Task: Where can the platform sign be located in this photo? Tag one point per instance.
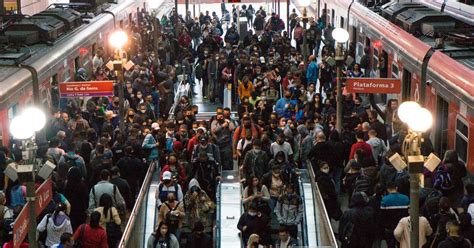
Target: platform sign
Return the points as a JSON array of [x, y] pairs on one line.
[[44, 194], [373, 85], [88, 88]]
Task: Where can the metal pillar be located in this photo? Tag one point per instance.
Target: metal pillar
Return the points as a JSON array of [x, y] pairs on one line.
[[31, 198], [186, 7], [176, 18], [339, 61], [288, 18], [414, 209]]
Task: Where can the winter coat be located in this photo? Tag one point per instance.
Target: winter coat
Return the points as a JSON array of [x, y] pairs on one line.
[[55, 227], [255, 224], [362, 219], [328, 192], [289, 209], [150, 143], [173, 242], [91, 237], [455, 242], [393, 206], [402, 231]]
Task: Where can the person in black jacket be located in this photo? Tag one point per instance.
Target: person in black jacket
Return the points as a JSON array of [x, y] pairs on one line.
[[328, 191], [122, 186], [254, 222], [357, 223], [467, 229], [198, 238], [322, 151], [454, 240], [131, 169]]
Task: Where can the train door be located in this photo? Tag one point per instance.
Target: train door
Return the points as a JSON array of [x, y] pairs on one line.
[[441, 135], [406, 85], [77, 64], [383, 64]]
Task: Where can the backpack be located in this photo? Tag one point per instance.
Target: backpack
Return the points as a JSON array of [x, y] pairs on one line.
[[431, 203], [161, 192], [171, 219], [443, 179], [17, 198], [70, 162], [346, 235], [199, 71], [363, 184]]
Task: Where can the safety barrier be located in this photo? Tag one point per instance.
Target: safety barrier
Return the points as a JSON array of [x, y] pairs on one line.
[[134, 232]]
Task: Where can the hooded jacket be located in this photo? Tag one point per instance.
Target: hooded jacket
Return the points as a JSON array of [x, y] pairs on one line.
[[289, 209], [55, 227]]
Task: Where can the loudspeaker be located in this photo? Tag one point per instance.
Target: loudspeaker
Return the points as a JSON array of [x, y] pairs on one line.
[[46, 170]]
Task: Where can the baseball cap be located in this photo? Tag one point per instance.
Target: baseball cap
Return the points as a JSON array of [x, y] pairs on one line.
[[167, 175], [202, 128], [155, 126]]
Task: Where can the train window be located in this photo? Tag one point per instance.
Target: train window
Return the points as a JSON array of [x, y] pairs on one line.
[[342, 22], [121, 24], [333, 14], [94, 46], [76, 64], [394, 70], [461, 139], [441, 129], [406, 85]]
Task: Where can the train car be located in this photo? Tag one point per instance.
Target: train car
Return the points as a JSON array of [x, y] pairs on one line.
[[440, 79], [59, 61]]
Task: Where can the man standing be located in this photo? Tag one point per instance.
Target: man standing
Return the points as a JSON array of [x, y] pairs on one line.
[[289, 210], [222, 130]]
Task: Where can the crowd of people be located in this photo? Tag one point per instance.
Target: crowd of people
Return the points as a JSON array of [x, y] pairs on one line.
[[285, 121]]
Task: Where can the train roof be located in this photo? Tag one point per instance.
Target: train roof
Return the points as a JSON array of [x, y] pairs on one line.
[[43, 55], [461, 80]]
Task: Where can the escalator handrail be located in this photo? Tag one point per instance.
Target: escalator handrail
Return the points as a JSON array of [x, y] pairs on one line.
[[143, 191], [317, 198], [217, 231], [304, 225]]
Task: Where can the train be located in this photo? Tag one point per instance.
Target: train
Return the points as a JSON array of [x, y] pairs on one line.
[[57, 56], [437, 74]]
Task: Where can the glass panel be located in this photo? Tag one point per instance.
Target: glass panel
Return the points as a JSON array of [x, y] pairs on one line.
[[461, 127], [461, 147]]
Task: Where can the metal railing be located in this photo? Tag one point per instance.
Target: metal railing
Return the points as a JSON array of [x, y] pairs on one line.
[[137, 219]]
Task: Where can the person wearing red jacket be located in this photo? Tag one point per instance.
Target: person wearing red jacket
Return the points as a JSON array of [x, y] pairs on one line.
[[91, 235], [178, 170], [360, 144]]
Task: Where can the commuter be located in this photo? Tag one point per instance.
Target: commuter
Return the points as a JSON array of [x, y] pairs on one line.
[[109, 219], [357, 224], [162, 237], [198, 205], [177, 171], [378, 147], [328, 191], [105, 187], [222, 129], [285, 240], [212, 150], [439, 220], [91, 235], [55, 225], [66, 241], [466, 227], [393, 207], [281, 145], [76, 191], [166, 186], [289, 210], [454, 239], [360, 144], [198, 238], [130, 169], [274, 182], [253, 222], [172, 212], [255, 161], [254, 241], [122, 185], [402, 231], [68, 160], [206, 172], [256, 193]]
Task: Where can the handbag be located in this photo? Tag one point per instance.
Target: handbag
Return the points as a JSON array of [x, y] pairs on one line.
[[79, 242]]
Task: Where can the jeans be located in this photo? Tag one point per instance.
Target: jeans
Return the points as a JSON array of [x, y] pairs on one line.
[[272, 203]]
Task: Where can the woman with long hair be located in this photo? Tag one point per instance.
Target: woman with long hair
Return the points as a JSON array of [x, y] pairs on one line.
[[162, 237], [257, 192], [55, 225], [91, 235], [109, 214]]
